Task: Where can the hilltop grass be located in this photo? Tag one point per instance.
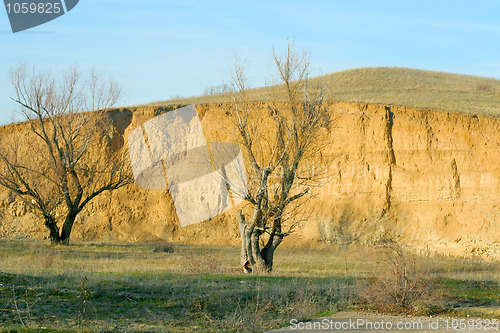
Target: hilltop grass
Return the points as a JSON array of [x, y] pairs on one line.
[[393, 86], [116, 287]]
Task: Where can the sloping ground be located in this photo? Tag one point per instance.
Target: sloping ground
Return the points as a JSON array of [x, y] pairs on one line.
[[395, 86], [429, 177]]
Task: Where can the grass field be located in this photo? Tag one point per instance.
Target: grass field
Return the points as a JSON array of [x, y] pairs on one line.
[[394, 86], [121, 287]]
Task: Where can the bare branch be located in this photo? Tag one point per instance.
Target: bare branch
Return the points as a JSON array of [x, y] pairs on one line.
[[71, 160], [276, 140]]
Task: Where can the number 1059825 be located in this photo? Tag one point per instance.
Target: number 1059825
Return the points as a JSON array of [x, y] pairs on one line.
[[33, 7]]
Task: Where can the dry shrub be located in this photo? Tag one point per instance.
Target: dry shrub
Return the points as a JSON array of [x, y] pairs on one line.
[[45, 259], [163, 247], [401, 285], [262, 304], [242, 319], [304, 305], [483, 86], [204, 264], [294, 300]]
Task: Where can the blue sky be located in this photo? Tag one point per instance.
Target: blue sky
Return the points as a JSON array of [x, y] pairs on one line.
[[157, 49]]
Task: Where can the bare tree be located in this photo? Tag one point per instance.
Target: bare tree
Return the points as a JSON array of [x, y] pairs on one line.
[[278, 182], [214, 90], [67, 156]]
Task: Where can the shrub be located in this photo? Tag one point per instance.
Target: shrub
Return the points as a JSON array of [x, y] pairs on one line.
[[483, 86], [399, 286], [208, 264], [163, 247]]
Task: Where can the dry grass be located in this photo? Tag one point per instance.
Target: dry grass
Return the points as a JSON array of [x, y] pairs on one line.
[[393, 86], [117, 287]]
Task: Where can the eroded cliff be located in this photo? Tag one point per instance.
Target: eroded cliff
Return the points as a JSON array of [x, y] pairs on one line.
[[428, 177]]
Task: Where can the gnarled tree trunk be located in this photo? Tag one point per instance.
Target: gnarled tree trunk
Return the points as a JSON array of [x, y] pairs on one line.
[[253, 259]]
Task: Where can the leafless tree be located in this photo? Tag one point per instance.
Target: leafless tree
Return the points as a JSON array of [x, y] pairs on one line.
[[278, 182], [65, 155], [214, 90]]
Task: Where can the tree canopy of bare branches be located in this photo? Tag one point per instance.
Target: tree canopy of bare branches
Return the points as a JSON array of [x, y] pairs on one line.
[[277, 186], [66, 157]]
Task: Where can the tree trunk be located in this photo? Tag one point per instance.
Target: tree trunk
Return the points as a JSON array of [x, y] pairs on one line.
[[53, 229], [245, 258], [260, 265], [268, 252], [252, 258], [67, 227]]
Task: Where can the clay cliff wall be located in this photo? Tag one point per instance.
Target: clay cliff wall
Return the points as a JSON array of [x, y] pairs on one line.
[[430, 178]]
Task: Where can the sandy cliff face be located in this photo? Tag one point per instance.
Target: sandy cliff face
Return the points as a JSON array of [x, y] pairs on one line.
[[431, 178]]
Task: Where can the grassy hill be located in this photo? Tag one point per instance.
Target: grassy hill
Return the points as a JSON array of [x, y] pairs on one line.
[[396, 86]]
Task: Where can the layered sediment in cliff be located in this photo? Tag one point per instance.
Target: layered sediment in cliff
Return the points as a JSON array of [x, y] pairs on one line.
[[430, 178]]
